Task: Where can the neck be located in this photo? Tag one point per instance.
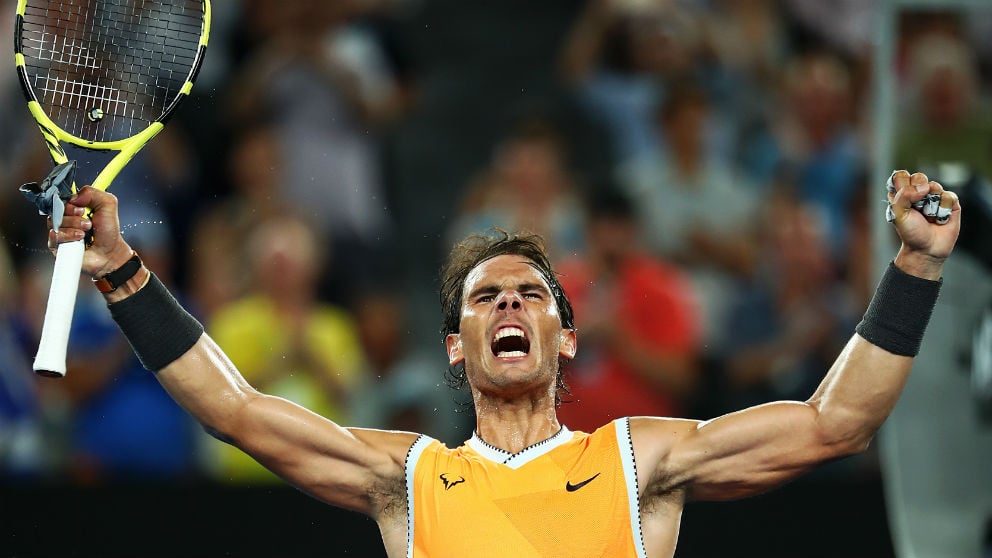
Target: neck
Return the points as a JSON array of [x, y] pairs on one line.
[[512, 425]]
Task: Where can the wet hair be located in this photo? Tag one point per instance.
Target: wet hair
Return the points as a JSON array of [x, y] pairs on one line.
[[478, 248]]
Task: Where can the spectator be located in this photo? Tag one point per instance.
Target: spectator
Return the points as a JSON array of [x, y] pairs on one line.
[[332, 91], [620, 57], [676, 193], [21, 412], [815, 138], [529, 186], [403, 387], [749, 44], [217, 264], [789, 321], [640, 341], [118, 425], [282, 338], [945, 119]]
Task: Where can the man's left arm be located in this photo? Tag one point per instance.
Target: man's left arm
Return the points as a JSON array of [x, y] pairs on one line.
[[756, 449]]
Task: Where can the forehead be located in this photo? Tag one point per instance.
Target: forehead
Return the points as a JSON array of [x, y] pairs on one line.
[[502, 271]]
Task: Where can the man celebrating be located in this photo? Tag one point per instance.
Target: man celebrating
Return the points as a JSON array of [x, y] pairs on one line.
[[524, 485]]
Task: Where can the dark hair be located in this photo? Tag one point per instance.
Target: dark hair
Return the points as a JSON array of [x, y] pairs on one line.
[[478, 248]]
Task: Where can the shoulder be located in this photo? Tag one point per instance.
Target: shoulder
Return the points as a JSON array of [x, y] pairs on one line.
[[653, 440], [660, 430], [397, 445]]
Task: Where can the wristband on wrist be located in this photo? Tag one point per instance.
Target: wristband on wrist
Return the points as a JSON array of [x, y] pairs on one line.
[[158, 328], [899, 312], [109, 282]]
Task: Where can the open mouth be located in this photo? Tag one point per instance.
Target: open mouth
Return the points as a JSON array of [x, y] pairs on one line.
[[510, 342]]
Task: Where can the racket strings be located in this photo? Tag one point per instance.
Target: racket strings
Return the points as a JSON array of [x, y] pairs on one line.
[[103, 70]]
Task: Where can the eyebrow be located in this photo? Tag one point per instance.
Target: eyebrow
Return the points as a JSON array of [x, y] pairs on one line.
[[492, 289]]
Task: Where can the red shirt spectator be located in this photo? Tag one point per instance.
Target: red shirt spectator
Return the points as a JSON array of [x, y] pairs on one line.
[[640, 358]]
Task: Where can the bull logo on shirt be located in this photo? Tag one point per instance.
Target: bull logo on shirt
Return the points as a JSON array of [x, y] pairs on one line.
[[450, 480]]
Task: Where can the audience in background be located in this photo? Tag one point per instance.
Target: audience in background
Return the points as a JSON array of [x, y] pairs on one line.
[[118, 422], [698, 211], [637, 318], [528, 185], [282, 337], [620, 57], [22, 436], [326, 88], [816, 137], [403, 386], [944, 120], [792, 317], [218, 261], [735, 129], [747, 43]]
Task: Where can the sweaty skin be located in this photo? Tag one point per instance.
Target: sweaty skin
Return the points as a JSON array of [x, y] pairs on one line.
[[732, 456]]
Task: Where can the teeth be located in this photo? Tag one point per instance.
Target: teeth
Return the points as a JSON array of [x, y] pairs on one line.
[[505, 333], [509, 332]]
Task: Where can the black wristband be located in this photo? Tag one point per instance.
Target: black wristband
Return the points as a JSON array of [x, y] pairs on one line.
[[158, 328], [899, 312]]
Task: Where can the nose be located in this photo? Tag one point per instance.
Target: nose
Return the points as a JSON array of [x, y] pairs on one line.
[[509, 300]]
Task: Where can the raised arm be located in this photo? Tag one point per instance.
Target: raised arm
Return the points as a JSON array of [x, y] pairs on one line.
[[756, 449], [585, 40], [357, 469]]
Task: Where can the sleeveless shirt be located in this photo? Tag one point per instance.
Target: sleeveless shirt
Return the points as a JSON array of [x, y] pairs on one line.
[[573, 495]]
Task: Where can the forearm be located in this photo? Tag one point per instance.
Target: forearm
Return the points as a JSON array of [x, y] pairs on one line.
[[758, 448], [858, 393], [862, 386], [171, 343], [205, 383]]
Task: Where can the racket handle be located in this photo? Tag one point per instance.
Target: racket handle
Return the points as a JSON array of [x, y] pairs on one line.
[[50, 360]]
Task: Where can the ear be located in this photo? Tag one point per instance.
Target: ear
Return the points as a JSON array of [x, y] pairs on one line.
[[569, 344], [453, 343]]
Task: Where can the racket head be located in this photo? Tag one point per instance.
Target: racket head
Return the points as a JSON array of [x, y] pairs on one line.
[[100, 73]]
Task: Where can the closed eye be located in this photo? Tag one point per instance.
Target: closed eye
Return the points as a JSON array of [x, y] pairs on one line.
[[488, 294]]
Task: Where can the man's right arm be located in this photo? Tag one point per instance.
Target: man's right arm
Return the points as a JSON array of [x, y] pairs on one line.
[[338, 465], [335, 464]]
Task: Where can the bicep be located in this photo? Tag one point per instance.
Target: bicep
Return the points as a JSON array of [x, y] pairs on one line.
[[338, 465], [326, 460], [743, 453]]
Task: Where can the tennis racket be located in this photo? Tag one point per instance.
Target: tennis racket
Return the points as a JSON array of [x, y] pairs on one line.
[[102, 75]]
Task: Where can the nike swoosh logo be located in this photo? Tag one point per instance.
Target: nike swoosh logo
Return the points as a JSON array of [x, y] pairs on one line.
[[573, 487]]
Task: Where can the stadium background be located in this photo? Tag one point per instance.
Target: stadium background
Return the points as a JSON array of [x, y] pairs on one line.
[[442, 85]]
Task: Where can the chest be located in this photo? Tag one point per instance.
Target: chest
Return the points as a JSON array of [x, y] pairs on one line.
[[561, 504]]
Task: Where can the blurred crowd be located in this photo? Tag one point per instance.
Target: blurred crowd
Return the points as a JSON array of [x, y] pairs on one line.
[[699, 169]]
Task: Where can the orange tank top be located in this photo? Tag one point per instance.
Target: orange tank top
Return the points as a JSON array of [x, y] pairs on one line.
[[573, 495]]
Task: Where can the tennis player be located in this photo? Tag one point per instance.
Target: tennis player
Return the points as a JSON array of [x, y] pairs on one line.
[[524, 485]]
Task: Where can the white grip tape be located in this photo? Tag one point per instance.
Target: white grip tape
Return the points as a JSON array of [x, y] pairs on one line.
[[929, 206], [50, 360]]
